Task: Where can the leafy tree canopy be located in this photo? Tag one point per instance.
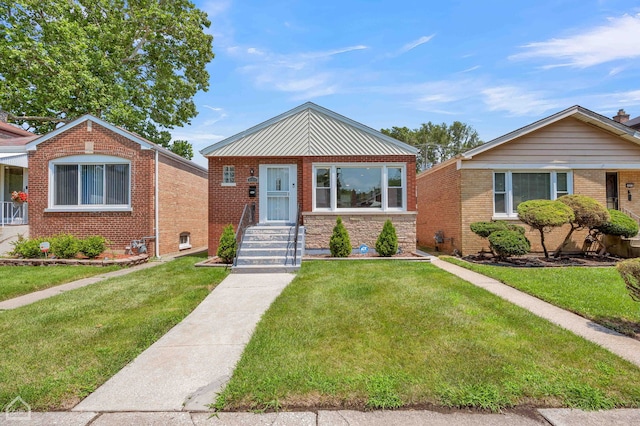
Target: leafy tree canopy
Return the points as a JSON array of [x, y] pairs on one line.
[[436, 142], [136, 64]]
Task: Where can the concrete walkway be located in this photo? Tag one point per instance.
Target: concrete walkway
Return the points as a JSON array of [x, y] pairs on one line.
[[9, 234], [189, 365]]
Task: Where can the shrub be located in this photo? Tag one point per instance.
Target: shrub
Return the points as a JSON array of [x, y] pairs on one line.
[[339, 243], [484, 229], [587, 214], [544, 215], [508, 243], [387, 242], [619, 224], [65, 246], [28, 248], [629, 270], [227, 246], [93, 246]]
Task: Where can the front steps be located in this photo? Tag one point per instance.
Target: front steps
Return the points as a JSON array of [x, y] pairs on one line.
[[269, 249]]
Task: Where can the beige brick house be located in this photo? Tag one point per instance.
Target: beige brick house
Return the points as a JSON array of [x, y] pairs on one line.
[[89, 177], [575, 151]]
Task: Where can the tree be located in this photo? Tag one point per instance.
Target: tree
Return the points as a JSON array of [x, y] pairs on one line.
[[436, 142], [387, 242], [134, 64], [544, 215], [339, 243], [618, 225], [227, 245], [182, 148], [587, 214]]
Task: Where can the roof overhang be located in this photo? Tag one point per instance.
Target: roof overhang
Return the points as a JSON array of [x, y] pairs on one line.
[[18, 160]]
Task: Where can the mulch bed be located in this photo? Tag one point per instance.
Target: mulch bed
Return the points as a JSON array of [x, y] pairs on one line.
[[538, 261]]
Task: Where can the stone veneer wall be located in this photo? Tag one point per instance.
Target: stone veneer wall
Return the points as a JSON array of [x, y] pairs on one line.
[[362, 228]]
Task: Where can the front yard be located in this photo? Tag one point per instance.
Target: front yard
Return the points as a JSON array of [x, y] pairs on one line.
[[55, 352], [400, 334], [596, 293]]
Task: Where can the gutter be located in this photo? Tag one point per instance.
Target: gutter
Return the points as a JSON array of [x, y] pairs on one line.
[[156, 205]]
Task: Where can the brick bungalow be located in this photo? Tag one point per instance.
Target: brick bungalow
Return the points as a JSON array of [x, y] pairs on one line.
[[327, 164], [90, 177], [575, 151]]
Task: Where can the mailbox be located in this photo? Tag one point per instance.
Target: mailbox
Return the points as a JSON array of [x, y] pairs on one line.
[[252, 191]]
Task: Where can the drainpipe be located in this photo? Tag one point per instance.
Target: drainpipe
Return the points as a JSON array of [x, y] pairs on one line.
[[157, 204]]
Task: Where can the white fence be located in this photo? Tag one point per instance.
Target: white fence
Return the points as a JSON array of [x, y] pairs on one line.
[[13, 213]]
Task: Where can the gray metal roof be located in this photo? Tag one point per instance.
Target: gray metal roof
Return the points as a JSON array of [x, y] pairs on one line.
[[308, 130]]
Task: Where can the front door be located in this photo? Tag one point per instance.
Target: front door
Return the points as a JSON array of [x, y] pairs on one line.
[[612, 190], [278, 193]]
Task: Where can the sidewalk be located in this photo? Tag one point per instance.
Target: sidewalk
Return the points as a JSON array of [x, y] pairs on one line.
[[189, 365]]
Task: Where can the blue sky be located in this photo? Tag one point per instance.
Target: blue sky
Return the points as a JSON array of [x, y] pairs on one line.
[[496, 65]]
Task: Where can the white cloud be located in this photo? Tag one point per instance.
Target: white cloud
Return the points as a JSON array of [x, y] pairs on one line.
[[470, 69], [611, 42], [412, 45], [517, 101], [254, 51]]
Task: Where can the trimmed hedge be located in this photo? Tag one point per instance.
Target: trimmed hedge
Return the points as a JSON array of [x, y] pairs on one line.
[[484, 229], [339, 243], [619, 224], [227, 246], [507, 243], [387, 242], [629, 270]]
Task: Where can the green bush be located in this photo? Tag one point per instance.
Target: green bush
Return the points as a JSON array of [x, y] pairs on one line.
[[544, 215], [619, 224], [93, 246], [629, 270], [508, 243], [339, 243], [227, 246], [64, 246], [28, 248], [387, 242], [484, 229]]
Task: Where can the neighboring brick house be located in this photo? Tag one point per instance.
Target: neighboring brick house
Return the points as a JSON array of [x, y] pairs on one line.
[[575, 151], [327, 164], [89, 177]]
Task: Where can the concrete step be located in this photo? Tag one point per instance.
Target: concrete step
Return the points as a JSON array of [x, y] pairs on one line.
[[269, 230], [266, 251], [265, 260], [264, 269]]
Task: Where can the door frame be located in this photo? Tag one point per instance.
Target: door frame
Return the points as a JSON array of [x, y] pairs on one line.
[[293, 193], [613, 199]]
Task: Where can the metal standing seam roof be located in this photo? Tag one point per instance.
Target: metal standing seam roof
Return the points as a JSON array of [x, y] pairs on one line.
[[308, 130]]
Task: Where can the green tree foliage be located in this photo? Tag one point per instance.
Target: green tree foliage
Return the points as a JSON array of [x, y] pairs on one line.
[[227, 246], [507, 243], [387, 242], [182, 148], [339, 243], [134, 64], [619, 225], [484, 229], [544, 215], [436, 142], [587, 214], [629, 270]]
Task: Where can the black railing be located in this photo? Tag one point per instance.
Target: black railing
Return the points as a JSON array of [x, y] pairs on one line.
[[295, 237], [247, 219]]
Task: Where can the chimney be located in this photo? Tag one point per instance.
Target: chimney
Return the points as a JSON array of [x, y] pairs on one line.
[[3, 116], [622, 116]]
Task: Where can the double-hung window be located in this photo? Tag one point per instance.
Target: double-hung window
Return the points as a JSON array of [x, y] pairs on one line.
[[90, 182], [510, 188], [228, 175], [358, 187]]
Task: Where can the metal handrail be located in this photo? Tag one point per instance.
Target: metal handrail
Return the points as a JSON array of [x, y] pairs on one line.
[[13, 214], [295, 237], [247, 219]]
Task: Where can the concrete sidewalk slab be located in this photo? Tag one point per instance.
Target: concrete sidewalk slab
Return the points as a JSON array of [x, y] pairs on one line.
[[188, 366], [419, 418], [288, 418], [621, 345], [571, 417], [65, 418]]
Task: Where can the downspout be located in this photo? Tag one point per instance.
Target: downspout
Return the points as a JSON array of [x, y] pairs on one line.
[[157, 204]]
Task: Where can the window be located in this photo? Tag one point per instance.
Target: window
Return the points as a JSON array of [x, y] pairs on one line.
[[185, 241], [359, 186], [86, 182], [229, 175], [512, 188]]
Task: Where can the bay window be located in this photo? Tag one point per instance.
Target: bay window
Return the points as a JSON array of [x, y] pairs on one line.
[[90, 182], [359, 187], [512, 188]]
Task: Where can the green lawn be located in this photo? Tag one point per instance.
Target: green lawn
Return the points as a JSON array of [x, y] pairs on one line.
[[55, 352], [18, 280], [391, 334], [596, 293]]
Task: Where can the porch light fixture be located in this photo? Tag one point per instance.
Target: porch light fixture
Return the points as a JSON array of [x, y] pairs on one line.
[[251, 171]]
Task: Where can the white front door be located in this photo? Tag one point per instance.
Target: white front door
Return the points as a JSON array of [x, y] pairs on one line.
[[278, 193]]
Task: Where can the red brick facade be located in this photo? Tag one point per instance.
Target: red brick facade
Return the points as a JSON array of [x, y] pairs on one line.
[[227, 202], [119, 227]]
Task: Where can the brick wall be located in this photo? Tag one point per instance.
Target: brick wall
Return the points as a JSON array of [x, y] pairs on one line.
[[118, 227], [439, 208], [226, 202], [183, 204]]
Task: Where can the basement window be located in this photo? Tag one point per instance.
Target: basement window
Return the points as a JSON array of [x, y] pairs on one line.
[[185, 241]]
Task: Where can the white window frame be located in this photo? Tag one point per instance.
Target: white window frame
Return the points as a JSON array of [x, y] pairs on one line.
[[509, 189], [187, 245], [226, 176], [80, 160], [384, 187]]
